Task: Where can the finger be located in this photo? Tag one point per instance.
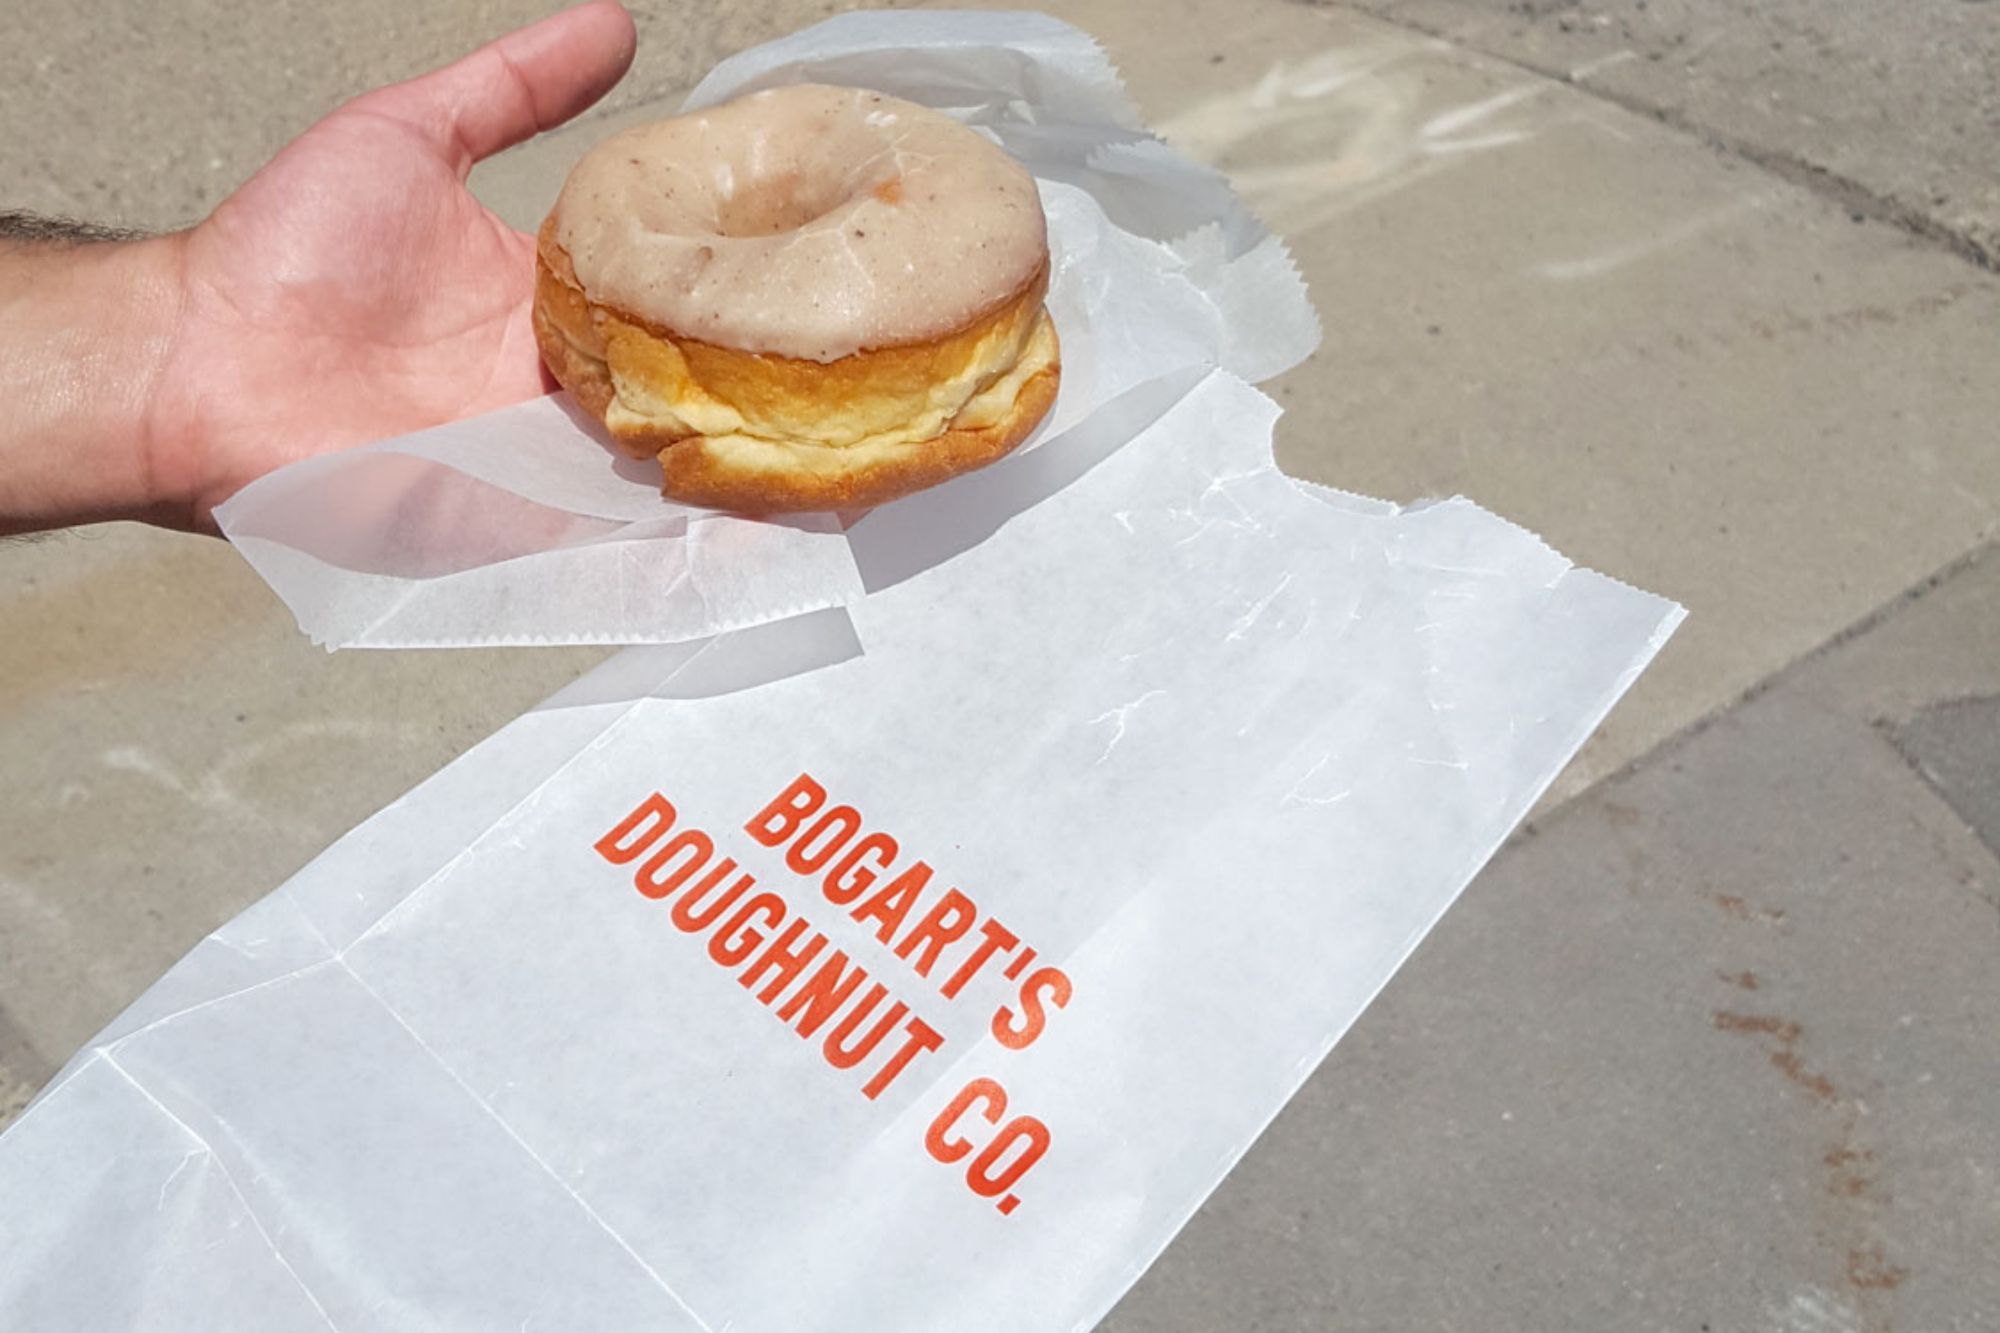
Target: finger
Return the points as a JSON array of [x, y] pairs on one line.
[[516, 87]]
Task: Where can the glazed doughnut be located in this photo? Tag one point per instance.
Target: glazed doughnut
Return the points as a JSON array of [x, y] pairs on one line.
[[807, 298]]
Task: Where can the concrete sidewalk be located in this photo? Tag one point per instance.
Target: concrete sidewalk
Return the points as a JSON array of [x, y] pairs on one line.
[[1706, 1046]]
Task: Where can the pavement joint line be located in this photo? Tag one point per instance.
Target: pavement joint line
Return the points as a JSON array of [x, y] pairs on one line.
[[1885, 729], [1857, 200], [1988, 545]]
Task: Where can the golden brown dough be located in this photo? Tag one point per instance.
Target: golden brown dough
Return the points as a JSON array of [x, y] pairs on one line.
[[758, 432]]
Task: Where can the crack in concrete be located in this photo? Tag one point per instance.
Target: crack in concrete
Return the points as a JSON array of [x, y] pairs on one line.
[[1858, 200], [1932, 742]]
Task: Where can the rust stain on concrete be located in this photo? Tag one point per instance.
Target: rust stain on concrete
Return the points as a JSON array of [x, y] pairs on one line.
[[1851, 1197], [1738, 909], [1869, 1270]]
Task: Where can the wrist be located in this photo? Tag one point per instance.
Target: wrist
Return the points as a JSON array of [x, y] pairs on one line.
[[160, 447], [87, 336], [167, 435]]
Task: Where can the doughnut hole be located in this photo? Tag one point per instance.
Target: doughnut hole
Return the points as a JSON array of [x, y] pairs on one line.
[[776, 205], [805, 186]]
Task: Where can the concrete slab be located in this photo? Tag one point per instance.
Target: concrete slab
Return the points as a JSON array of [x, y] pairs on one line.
[[1711, 1048], [1894, 108], [146, 115]]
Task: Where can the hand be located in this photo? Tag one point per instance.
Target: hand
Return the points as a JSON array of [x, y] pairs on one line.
[[352, 289]]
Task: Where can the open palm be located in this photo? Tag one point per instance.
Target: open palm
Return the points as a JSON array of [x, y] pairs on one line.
[[354, 289]]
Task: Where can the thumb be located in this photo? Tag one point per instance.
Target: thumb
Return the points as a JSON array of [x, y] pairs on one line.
[[515, 87]]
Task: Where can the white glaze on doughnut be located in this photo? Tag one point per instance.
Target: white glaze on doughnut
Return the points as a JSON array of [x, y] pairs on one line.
[[807, 221]]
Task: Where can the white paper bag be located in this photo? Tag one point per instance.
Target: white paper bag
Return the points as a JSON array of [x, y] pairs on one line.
[[526, 526], [1115, 819]]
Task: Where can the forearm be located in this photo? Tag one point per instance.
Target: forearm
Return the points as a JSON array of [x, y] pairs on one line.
[[86, 324]]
